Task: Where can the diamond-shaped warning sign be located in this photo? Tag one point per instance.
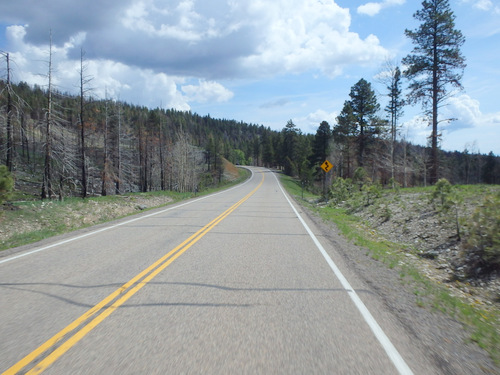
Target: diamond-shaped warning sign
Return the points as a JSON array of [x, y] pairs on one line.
[[326, 166]]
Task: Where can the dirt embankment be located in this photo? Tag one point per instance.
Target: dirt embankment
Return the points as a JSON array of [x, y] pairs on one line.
[[53, 215], [445, 339], [26, 217], [431, 239]]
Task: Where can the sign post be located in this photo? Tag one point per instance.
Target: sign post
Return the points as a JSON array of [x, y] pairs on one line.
[[326, 166]]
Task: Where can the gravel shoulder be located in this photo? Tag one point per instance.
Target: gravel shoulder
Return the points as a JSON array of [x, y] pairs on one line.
[[446, 340]]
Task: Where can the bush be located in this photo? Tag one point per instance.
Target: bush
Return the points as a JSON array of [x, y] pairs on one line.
[[450, 201], [385, 213], [372, 192], [361, 178], [483, 242], [442, 192], [6, 184], [341, 190]]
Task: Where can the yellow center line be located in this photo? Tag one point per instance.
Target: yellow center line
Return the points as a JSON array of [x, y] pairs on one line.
[[126, 291]]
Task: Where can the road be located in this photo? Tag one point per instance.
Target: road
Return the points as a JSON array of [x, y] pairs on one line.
[[236, 282]]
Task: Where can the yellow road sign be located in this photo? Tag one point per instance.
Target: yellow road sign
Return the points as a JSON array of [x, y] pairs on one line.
[[326, 166]]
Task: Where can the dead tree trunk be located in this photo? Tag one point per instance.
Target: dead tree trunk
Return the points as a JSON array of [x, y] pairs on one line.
[[47, 174], [10, 142], [82, 129], [105, 166]]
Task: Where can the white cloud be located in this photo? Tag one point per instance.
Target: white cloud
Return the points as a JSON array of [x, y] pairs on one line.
[[207, 91], [31, 62], [128, 83], [208, 40], [152, 50], [471, 125], [468, 114], [371, 9], [485, 5], [275, 103], [296, 36], [182, 22], [311, 122], [416, 130], [465, 110]]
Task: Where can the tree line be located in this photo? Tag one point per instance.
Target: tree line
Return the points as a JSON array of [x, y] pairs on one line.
[[68, 144], [105, 146], [134, 148]]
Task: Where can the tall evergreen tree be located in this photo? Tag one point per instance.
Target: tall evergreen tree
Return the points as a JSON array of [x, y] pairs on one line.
[[364, 108], [343, 135], [289, 152], [321, 145], [434, 64], [490, 173], [268, 157], [394, 109]]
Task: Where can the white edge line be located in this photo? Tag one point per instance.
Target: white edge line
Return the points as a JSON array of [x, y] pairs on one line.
[[8, 259], [389, 348]]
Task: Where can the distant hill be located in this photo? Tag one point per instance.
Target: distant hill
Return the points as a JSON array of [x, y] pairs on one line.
[[60, 145]]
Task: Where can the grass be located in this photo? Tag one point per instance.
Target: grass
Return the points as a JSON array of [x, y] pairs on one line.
[[483, 325], [50, 218], [294, 187]]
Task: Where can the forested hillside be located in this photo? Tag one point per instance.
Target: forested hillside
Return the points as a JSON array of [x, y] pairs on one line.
[[106, 147], [57, 145]]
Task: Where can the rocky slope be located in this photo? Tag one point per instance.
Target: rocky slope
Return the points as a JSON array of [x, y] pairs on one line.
[[433, 237]]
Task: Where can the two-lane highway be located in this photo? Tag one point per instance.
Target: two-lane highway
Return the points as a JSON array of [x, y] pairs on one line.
[[235, 282]]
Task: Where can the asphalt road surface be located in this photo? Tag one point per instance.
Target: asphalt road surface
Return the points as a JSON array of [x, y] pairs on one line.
[[239, 282]]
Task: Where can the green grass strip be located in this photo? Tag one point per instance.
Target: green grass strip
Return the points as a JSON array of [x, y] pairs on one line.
[[482, 325]]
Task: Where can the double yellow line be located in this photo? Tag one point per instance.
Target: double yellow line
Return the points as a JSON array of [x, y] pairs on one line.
[[46, 354]]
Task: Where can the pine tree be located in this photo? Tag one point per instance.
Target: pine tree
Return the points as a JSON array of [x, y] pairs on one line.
[[321, 145], [364, 108], [394, 110], [267, 149], [343, 135], [489, 172], [290, 147], [434, 64]]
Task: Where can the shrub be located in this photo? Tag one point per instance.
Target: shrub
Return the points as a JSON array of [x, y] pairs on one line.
[[394, 184], [450, 201], [6, 184], [385, 213], [442, 191], [360, 177], [483, 243], [341, 190], [372, 192]]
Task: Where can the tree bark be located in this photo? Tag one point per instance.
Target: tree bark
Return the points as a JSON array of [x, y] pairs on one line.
[[47, 174], [82, 131], [435, 99], [10, 142]]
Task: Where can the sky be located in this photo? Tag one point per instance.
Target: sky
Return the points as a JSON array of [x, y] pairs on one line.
[[256, 61]]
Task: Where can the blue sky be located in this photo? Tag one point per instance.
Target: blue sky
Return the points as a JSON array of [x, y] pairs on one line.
[[256, 61]]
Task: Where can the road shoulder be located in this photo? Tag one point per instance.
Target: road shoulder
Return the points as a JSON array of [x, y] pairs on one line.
[[443, 339]]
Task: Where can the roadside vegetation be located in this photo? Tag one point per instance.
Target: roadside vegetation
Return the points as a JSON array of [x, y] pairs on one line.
[[443, 240], [122, 158], [24, 221]]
